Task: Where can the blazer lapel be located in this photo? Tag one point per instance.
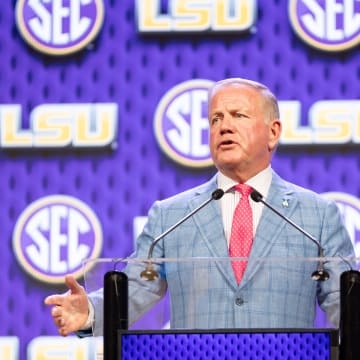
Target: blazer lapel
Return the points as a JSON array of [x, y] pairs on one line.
[[209, 225], [271, 225]]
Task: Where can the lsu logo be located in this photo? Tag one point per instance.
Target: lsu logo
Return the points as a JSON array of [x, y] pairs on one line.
[[181, 124], [54, 235], [9, 347], [59, 27], [59, 125], [329, 122], [69, 348], [326, 24], [156, 16], [350, 209]]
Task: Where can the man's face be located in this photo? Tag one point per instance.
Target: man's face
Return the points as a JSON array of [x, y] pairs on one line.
[[241, 142]]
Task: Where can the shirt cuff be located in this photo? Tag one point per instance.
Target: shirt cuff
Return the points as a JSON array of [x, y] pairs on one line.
[[91, 317]]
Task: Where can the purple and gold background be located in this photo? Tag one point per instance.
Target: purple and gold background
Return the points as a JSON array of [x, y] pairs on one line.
[[134, 71]]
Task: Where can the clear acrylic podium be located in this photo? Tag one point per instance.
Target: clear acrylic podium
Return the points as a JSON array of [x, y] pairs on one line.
[[159, 334]]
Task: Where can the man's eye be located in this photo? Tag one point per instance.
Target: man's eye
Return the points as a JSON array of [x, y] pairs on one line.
[[215, 120], [239, 115]]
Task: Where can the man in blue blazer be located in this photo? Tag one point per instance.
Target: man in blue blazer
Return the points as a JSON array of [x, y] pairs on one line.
[[276, 290]]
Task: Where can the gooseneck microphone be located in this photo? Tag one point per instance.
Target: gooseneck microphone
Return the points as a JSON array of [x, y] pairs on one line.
[[150, 273], [320, 274]]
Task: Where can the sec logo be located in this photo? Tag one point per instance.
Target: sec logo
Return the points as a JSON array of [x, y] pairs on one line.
[[326, 24], [349, 207], [181, 125], [59, 27], [54, 235]]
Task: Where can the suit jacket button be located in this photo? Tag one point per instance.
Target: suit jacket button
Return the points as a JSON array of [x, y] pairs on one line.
[[239, 301]]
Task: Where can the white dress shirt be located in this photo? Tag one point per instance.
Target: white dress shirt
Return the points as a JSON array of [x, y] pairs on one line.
[[261, 182]]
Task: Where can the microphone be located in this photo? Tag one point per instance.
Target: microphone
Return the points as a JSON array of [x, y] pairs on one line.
[[320, 274], [150, 273]]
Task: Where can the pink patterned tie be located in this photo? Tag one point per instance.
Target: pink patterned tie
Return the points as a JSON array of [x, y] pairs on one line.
[[241, 237]]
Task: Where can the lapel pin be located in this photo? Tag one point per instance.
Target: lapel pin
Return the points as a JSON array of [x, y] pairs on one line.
[[285, 203]]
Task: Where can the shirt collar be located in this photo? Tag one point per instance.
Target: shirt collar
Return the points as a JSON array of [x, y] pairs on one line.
[[261, 181]]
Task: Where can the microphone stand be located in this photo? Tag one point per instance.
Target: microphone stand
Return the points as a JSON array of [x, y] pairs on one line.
[[150, 273], [320, 274]]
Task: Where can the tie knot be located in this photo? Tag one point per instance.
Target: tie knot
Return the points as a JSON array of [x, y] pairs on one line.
[[244, 189]]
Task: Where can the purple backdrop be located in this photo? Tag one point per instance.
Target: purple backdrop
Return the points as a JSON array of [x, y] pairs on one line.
[[134, 71]]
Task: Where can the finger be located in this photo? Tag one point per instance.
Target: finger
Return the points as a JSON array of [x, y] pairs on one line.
[[73, 285], [54, 300], [56, 311], [63, 332], [64, 329], [58, 321]]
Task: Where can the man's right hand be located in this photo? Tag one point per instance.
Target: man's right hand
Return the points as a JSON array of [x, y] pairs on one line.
[[70, 310]]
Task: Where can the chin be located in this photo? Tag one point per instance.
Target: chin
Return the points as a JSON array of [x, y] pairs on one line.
[[227, 161], [227, 167]]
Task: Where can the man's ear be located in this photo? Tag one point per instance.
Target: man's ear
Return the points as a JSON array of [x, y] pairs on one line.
[[275, 129]]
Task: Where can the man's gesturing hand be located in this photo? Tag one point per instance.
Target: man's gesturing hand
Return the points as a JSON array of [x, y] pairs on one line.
[[70, 310]]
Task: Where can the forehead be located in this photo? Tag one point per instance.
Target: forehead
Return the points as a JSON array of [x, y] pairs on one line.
[[236, 95]]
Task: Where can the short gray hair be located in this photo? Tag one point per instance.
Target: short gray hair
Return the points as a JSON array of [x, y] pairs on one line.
[[270, 100]]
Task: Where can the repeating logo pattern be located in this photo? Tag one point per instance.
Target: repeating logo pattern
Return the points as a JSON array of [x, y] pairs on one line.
[[86, 125], [181, 124], [54, 235], [326, 24], [195, 16], [59, 27]]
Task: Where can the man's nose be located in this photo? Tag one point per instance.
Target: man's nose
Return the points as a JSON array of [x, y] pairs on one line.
[[227, 124]]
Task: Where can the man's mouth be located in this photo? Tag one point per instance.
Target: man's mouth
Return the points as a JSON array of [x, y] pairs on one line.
[[226, 143]]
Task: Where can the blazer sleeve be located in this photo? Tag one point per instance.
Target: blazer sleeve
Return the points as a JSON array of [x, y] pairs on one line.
[[142, 295], [336, 243]]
